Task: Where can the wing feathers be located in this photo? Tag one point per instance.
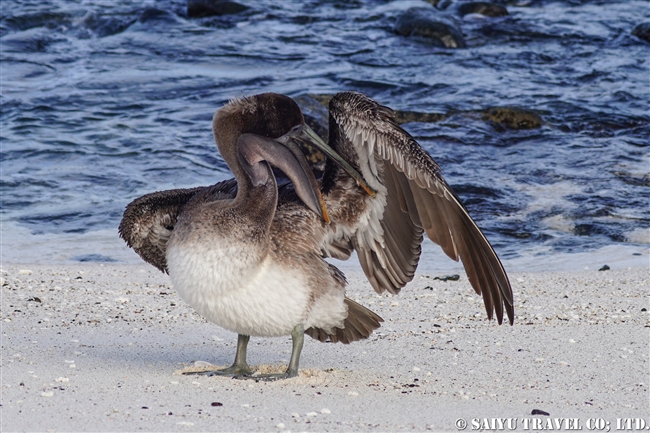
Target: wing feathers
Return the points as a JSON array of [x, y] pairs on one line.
[[148, 221], [418, 198], [392, 265]]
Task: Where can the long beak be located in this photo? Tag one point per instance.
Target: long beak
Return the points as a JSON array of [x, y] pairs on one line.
[[309, 174], [305, 134], [288, 158]]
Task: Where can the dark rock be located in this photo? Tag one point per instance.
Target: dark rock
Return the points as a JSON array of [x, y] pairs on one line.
[[155, 14], [426, 23], [482, 8], [102, 26], [604, 268], [512, 118], [323, 98], [539, 412], [208, 8], [402, 117], [642, 31]]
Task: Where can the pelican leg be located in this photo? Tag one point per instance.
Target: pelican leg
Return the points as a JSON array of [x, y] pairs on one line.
[[298, 338], [239, 368]]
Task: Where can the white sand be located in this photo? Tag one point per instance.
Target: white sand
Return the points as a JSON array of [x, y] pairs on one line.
[[102, 349]]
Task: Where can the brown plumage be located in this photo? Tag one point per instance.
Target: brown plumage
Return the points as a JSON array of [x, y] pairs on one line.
[[244, 254], [412, 199], [381, 213]]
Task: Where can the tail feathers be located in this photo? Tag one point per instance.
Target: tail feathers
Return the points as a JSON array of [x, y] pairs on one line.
[[357, 326]]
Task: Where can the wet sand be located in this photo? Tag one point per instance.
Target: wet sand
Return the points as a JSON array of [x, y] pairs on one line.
[[94, 347]]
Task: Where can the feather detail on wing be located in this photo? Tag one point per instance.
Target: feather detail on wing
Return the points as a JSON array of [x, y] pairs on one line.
[[149, 220], [417, 200]]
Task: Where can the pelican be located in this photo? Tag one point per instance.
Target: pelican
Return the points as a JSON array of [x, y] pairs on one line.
[[262, 272], [245, 255]]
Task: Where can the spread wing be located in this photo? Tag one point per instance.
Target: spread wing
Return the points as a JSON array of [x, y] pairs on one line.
[[412, 198], [148, 221]]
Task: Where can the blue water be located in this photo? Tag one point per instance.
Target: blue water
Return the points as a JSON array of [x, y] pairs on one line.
[[102, 102]]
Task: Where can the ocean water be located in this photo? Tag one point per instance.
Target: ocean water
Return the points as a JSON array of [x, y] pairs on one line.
[[102, 102]]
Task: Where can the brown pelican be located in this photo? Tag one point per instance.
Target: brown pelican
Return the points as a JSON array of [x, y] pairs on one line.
[[243, 257], [285, 286]]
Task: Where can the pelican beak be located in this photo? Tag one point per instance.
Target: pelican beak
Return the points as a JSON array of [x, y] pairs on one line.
[[305, 134], [287, 157], [308, 175]]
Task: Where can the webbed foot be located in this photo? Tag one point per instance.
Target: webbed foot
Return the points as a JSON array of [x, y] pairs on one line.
[[270, 377], [238, 369], [235, 370]]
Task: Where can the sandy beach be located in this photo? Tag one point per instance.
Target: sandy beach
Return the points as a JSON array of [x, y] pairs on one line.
[[92, 347], [535, 113]]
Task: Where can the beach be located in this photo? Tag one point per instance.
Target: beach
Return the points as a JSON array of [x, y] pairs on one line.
[[535, 111], [101, 347]]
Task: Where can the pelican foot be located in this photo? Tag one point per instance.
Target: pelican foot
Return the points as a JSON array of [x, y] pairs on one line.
[[297, 337], [235, 370], [270, 377], [239, 368]]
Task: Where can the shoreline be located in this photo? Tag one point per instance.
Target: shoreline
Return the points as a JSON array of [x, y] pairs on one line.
[[90, 347], [18, 245]]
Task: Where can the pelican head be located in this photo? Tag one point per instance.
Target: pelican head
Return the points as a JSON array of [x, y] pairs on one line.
[[267, 116]]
